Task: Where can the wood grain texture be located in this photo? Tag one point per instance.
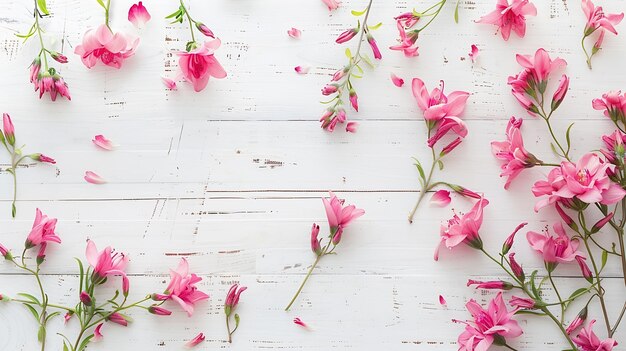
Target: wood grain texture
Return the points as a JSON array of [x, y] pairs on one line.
[[231, 178]]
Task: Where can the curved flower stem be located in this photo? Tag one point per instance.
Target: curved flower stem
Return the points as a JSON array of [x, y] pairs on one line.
[[106, 15], [230, 334], [582, 43], [426, 186], [509, 347], [191, 21], [558, 295], [317, 260], [43, 51], [434, 15]]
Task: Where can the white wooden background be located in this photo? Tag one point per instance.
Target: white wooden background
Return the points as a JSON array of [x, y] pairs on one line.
[[232, 177]]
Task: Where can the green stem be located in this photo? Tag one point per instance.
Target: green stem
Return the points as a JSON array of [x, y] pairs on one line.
[[558, 295], [43, 51], [230, 334], [426, 186], [582, 43], [191, 21], [443, 2], [106, 15], [317, 260]]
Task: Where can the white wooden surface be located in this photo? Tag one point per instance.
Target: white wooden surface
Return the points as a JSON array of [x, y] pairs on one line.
[[231, 177]]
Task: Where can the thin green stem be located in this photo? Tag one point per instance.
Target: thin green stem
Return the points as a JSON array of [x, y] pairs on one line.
[[230, 334], [191, 21], [317, 260], [106, 15], [582, 43], [443, 2], [426, 186], [558, 295], [43, 51]]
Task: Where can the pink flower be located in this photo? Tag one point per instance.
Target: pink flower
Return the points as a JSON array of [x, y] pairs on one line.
[[487, 325], [67, 317], [560, 92], [8, 128], [339, 217], [206, 31], [52, 84], [586, 272], [441, 198], [587, 340], [508, 243], [93, 178], [586, 181], [554, 250], [463, 229], [169, 83], [5, 252], [200, 64], [578, 321], [473, 55], [351, 127], [596, 18], [42, 231], [407, 19], [97, 334], [517, 269], [522, 302], [299, 322], [195, 341], [616, 151], [182, 288], [374, 46], [58, 57], [510, 17], [516, 158], [315, 242], [347, 35], [540, 65], [301, 70], [354, 99], [106, 262], [85, 298], [159, 311], [138, 15], [118, 318], [294, 33], [101, 44], [331, 4], [35, 68], [232, 298], [495, 284], [614, 105], [407, 42], [397, 81], [453, 144], [329, 89], [102, 142]]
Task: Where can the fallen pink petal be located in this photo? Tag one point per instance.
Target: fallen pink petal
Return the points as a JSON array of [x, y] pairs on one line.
[[195, 341], [299, 322], [169, 83], [441, 198], [442, 301], [294, 33], [301, 70], [397, 81], [473, 55], [102, 142], [138, 15], [93, 178]]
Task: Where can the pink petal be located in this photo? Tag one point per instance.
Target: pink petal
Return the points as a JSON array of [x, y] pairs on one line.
[[169, 83], [442, 300], [138, 15], [473, 53], [102, 142], [397, 81], [299, 322], [97, 335], [294, 33], [351, 127], [93, 178], [301, 70], [195, 341], [441, 198]]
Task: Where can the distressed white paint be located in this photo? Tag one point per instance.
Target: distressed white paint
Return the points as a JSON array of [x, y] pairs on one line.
[[231, 177]]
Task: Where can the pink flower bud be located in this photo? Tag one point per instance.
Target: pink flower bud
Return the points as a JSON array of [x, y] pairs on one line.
[[601, 223], [351, 127], [195, 341], [232, 298], [508, 243], [567, 219], [35, 67], [159, 297], [159, 311], [339, 74], [8, 128], [525, 102], [354, 100], [448, 148], [578, 321], [5, 252], [464, 191], [337, 236], [85, 298], [42, 158], [59, 57], [205, 30], [374, 46], [518, 271], [329, 89], [598, 44], [67, 317], [118, 319], [442, 300], [560, 92], [315, 243], [584, 268], [494, 284], [522, 302], [347, 35], [341, 115], [125, 285], [41, 255]]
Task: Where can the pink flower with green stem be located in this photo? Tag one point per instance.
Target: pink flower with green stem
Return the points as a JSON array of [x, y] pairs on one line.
[[339, 217], [597, 20], [230, 304], [341, 88], [8, 140]]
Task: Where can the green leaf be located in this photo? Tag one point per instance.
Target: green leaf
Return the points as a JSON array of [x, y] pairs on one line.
[[376, 26], [367, 60], [418, 165], [530, 312], [236, 320], [65, 348], [605, 257], [52, 315], [456, 12], [41, 334], [42, 7], [567, 136], [84, 343], [554, 150], [101, 4], [81, 271], [532, 283], [32, 310], [348, 53], [358, 13], [440, 163], [30, 297]]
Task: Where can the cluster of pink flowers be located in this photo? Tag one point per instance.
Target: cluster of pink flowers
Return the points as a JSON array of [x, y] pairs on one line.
[[598, 21]]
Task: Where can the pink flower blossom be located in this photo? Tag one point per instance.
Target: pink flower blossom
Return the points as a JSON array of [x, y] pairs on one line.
[[374, 46], [614, 105], [560, 92], [294, 33], [67, 317], [200, 64], [85, 298], [441, 198], [354, 99], [138, 15], [232, 297], [540, 65], [615, 149], [407, 19], [407, 41], [106, 262], [554, 250], [351, 127], [397, 81], [93, 178], [169, 83], [301, 70], [586, 181], [587, 340], [329, 89], [473, 54], [182, 288], [332, 4], [35, 68], [102, 142], [596, 18], [586, 272], [52, 84], [578, 321], [97, 334], [299, 322], [522, 302], [494, 322], [195, 341], [512, 151], [159, 311], [510, 17], [315, 242], [42, 230], [517, 269], [110, 48], [489, 285], [463, 229], [339, 217]]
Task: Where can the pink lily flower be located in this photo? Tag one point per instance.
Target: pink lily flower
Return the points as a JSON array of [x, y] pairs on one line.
[[301, 70], [463, 229], [495, 284], [138, 15], [615, 149], [232, 298], [339, 217], [540, 65], [578, 321], [557, 250], [522, 303], [441, 198], [42, 231], [97, 333], [351, 127], [614, 105], [512, 151], [473, 54], [294, 33], [510, 17], [169, 83], [407, 19], [587, 340], [407, 42], [93, 178], [315, 242], [101, 44], [596, 18], [102, 142], [397, 81], [52, 84], [487, 325], [106, 262], [182, 288], [200, 64], [195, 341]]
